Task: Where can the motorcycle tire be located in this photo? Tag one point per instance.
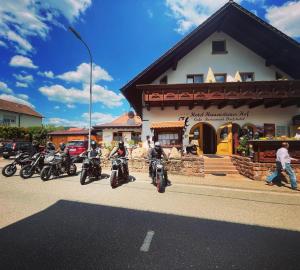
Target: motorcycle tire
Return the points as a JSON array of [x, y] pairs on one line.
[[113, 179], [72, 170], [83, 176], [26, 172], [159, 184], [9, 170], [46, 173]]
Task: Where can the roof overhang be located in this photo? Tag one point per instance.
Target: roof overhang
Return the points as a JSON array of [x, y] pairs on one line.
[[277, 48]]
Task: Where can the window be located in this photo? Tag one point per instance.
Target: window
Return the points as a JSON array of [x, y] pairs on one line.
[[117, 136], [169, 138], [220, 78], [219, 47], [163, 80], [136, 136], [197, 78], [8, 120], [247, 76]]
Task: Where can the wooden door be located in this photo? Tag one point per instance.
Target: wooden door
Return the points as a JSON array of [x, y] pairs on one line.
[[196, 137], [224, 139]]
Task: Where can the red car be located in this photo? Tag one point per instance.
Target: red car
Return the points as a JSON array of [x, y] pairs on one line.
[[77, 147]]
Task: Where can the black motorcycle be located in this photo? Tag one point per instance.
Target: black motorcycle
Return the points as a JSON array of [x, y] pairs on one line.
[[55, 166], [21, 159], [158, 174], [36, 166], [118, 174], [90, 168]]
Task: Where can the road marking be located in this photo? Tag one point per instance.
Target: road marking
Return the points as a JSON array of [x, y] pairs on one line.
[[147, 241]]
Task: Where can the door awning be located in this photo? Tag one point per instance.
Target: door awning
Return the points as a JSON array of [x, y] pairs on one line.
[[167, 124]]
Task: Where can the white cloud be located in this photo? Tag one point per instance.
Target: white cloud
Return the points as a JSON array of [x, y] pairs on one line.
[[71, 106], [48, 74], [23, 96], [150, 13], [82, 74], [286, 17], [72, 95], [56, 121], [16, 99], [20, 20], [4, 88], [24, 78], [56, 107], [99, 118], [191, 13], [21, 61], [3, 44], [23, 85]]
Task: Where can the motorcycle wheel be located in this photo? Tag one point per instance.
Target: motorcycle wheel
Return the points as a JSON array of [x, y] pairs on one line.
[[26, 172], [46, 173], [159, 183], [83, 176], [72, 170], [9, 170], [113, 179]]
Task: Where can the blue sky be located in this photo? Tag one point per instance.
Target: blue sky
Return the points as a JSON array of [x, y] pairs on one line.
[[44, 65]]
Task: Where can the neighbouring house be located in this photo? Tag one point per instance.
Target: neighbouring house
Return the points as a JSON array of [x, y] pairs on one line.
[[127, 127], [234, 72], [18, 115], [72, 134]]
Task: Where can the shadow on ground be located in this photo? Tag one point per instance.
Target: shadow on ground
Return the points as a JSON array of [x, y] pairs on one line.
[[73, 235]]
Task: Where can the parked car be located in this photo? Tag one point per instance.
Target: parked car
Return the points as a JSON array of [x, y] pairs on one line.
[[77, 147], [11, 148]]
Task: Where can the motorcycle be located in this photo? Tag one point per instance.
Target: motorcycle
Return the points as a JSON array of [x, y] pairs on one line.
[[54, 166], [36, 166], [21, 159], [158, 174], [118, 173], [90, 168]]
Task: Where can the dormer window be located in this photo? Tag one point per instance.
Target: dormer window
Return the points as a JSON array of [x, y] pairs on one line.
[[164, 80], [247, 76], [219, 47]]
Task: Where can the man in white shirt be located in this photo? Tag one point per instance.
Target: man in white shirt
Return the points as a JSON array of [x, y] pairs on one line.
[[283, 163]]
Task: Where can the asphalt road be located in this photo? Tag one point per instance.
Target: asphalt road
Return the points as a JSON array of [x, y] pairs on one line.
[[60, 224]]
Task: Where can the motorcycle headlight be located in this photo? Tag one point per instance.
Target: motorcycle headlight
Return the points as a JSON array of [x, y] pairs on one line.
[[159, 166]]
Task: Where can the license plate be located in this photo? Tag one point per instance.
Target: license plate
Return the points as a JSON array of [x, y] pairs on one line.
[[72, 150]]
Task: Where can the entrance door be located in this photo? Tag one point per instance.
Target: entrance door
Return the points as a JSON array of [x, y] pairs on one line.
[[204, 135], [224, 139]]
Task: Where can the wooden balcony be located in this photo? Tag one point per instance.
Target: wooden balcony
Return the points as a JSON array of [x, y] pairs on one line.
[[268, 93]]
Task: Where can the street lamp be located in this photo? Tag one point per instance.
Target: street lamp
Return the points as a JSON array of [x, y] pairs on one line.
[[91, 76]]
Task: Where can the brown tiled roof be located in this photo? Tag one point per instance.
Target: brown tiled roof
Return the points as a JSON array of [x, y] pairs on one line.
[[17, 108], [123, 122], [168, 124]]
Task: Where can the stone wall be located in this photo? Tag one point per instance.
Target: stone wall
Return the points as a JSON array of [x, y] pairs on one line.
[[259, 171], [185, 166]]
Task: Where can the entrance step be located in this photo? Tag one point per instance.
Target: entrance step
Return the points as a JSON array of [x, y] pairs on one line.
[[219, 165]]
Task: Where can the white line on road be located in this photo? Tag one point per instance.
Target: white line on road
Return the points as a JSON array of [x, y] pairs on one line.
[[146, 245]]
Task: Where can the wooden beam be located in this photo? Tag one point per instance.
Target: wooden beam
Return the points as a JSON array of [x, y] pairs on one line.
[[256, 103], [162, 107], [271, 103], [174, 66], [289, 102], [176, 106], [191, 106], [239, 103], [222, 104], [206, 105]]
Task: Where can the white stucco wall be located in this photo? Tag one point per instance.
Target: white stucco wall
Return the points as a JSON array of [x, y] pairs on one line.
[[243, 115], [108, 133], [25, 120], [239, 58]]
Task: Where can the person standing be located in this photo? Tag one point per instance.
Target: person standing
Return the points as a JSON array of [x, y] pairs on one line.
[[283, 163], [148, 144]]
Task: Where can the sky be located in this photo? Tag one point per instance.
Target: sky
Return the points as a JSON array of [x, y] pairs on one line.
[[43, 65]]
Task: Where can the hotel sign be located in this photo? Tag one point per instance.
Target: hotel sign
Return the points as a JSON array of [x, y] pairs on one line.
[[218, 116]]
